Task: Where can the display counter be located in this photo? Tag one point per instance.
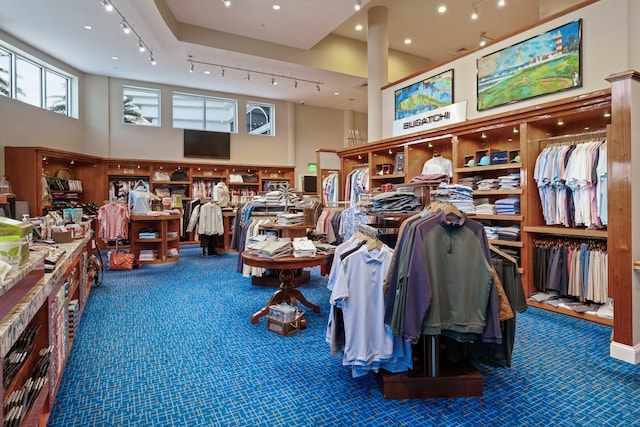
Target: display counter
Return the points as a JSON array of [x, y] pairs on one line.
[[39, 313]]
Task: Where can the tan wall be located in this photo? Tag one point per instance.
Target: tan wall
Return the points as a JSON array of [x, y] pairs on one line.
[[607, 37]]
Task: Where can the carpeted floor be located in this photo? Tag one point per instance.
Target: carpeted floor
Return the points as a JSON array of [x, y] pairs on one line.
[[174, 346]]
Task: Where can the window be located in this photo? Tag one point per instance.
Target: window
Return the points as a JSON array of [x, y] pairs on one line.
[[5, 72], [29, 82], [260, 119], [56, 92], [141, 106], [34, 82], [204, 113]]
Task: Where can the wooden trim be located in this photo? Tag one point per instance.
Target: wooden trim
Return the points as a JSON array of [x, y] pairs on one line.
[[569, 312], [620, 275]]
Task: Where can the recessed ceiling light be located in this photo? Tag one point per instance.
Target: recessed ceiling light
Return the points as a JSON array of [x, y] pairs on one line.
[[358, 27], [114, 57], [442, 9], [336, 93], [407, 41], [207, 72], [87, 27], [276, 7]]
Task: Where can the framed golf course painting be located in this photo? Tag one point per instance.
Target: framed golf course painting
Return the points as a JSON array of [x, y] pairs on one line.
[[547, 63], [425, 95]]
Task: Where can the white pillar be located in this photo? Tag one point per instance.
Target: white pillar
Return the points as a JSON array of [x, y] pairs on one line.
[[377, 67], [348, 123]]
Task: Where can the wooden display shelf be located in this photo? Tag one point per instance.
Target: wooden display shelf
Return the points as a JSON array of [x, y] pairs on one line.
[[387, 176], [514, 218], [171, 182], [565, 231], [496, 192], [162, 224], [515, 244], [488, 168], [569, 312]]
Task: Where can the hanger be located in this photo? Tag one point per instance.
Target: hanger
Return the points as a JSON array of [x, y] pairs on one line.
[[502, 253]]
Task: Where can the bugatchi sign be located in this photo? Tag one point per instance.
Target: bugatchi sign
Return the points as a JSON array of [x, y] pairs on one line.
[[454, 113]]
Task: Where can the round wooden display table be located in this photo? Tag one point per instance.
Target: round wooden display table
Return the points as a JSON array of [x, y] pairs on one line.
[[287, 292]]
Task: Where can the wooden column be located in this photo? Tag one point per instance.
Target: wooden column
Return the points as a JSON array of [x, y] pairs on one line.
[[623, 206]]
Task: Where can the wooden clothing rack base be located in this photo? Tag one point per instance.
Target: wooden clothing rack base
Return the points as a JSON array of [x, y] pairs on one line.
[[431, 376]]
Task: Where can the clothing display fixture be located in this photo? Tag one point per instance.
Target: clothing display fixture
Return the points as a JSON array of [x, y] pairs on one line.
[[572, 181], [356, 320], [206, 220], [572, 267], [431, 300], [438, 164], [356, 183], [140, 199], [113, 222], [330, 188]]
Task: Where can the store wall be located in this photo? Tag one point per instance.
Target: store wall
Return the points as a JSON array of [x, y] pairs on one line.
[[99, 129], [606, 43]]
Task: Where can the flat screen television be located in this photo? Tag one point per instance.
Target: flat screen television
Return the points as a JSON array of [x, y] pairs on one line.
[[210, 144]]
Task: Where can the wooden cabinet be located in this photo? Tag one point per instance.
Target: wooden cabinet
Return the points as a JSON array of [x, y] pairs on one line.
[[160, 241], [108, 179], [39, 315], [26, 166], [517, 137]]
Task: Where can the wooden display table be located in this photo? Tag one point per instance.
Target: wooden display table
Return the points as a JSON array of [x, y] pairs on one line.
[[300, 276], [162, 224], [287, 291]]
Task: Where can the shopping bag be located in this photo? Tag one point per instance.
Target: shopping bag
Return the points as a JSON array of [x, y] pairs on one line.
[[120, 260]]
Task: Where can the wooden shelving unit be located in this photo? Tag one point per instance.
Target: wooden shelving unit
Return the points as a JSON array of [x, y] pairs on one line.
[[162, 225]]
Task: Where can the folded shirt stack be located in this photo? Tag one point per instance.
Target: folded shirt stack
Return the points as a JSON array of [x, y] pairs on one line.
[[486, 209], [508, 206], [457, 195], [291, 219], [470, 181], [491, 232], [488, 184], [395, 202], [148, 255], [509, 182], [272, 247], [510, 233], [303, 247]]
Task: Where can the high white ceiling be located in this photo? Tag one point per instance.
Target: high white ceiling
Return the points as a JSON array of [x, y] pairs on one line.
[[297, 41]]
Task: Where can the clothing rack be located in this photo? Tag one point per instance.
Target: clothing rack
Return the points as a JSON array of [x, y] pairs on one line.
[[360, 166], [572, 137]]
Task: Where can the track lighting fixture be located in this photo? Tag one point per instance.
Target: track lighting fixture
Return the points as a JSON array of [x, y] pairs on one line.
[[190, 62], [273, 77], [107, 5], [358, 5], [474, 12], [484, 38], [127, 28]]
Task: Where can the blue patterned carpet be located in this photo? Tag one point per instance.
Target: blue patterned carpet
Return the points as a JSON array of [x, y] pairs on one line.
[[174, 346]]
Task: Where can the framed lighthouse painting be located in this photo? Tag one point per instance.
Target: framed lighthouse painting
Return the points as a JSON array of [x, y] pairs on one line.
[[547, 63]]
